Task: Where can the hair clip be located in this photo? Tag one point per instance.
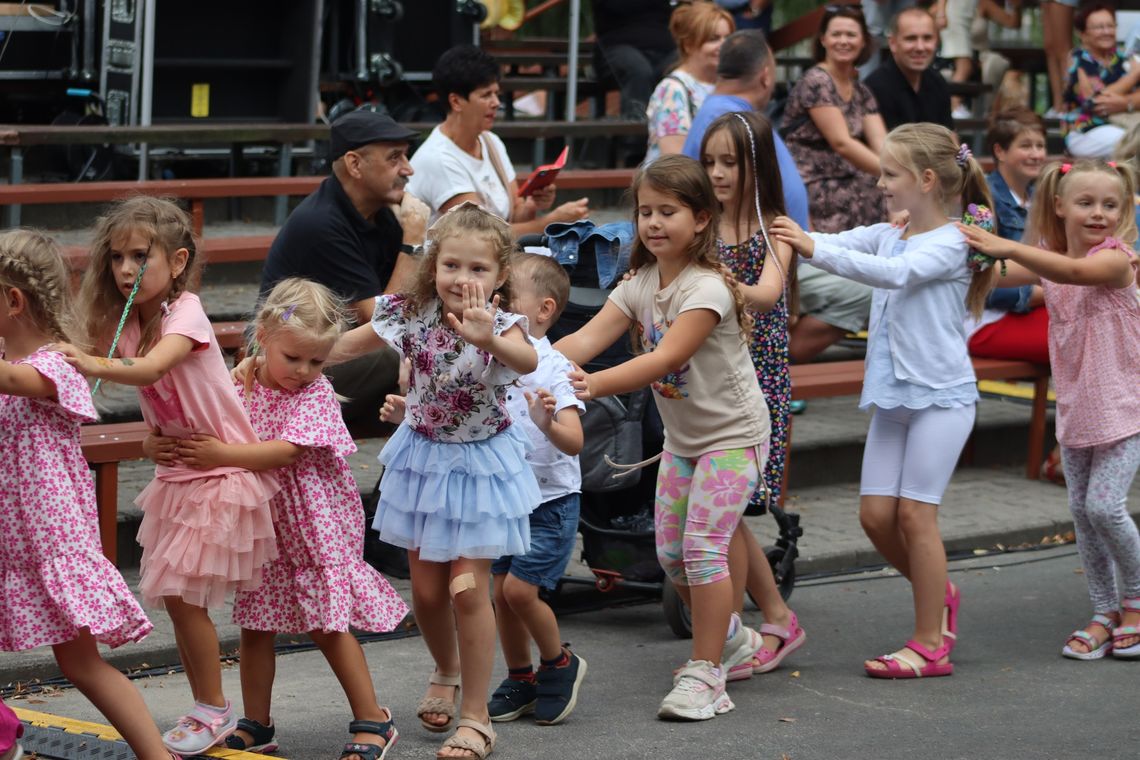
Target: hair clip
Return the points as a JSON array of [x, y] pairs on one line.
[[964, 154], [1065, 168], [288, 312]]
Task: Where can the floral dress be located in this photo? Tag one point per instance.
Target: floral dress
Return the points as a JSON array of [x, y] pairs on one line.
[[319, 581], [840, 196], [456, 481], [768, 346], [672, 107], [1079, 116], [54, 579]]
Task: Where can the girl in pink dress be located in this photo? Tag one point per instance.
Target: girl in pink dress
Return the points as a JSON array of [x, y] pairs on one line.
[[56, 587], [320, 583], [1084, 211], [203, 533]]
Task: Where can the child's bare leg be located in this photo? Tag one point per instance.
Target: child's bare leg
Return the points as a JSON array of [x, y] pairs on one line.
[[926, 556], [432, 606], [879, 516], [471, 600], [711, 604], [198, 644], [762, 586], [346, 658], [112, 694], [536, 615], [513, 636], [258, 666]]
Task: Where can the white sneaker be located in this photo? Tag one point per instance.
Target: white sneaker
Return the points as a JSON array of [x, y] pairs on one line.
[[961, 112], [739, 651], [698, 693]]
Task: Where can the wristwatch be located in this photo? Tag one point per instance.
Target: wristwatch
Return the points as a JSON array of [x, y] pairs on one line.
[[412, 250]]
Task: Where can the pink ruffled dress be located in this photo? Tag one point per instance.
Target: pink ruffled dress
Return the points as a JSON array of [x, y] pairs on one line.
[[204, 533], [319, 581], [54, 579]]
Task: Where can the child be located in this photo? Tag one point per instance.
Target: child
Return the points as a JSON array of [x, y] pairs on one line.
[[57, 587], [691, 322], [737, 149], [320, 583], [456, 490], [919, 381], [203, 533], [1082, 213]]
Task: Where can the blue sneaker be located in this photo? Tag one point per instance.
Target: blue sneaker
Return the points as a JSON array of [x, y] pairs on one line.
[[558, 691], [512, 700]]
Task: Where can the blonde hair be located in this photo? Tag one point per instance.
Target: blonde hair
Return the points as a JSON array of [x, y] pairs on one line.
[[1128, 149], [31, 262], [545, 275], [924, 146], [1048, 229], [694, 24], [166, 226], [465, 222]]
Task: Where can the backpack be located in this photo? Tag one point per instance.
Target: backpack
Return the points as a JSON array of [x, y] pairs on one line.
[[613, 429]]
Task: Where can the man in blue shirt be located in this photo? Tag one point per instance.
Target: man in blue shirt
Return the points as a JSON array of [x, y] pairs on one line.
[[745, 78]]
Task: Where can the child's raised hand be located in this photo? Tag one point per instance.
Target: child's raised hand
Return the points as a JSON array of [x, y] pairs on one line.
[[580, 382], [160, 449], [84, 362], [201, 451], [986, 242], [541, 405], [477, 327], [785, 229], [394, 409]]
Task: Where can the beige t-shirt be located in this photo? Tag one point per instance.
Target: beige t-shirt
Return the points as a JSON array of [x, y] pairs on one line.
[[714, 402]]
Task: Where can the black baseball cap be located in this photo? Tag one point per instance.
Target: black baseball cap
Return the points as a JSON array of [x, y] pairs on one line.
[[359, 128]]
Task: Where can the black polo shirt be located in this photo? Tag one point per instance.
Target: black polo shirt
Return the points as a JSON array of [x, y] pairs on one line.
[[900, 104], [327, 240]]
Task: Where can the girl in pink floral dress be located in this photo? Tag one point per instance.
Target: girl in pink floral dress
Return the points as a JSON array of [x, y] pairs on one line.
[[203, 533], [457, 490], [56, 587], [319, 584], [1083, 212]]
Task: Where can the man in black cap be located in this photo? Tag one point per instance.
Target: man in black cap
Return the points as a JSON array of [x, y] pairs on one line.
[[358, 234]]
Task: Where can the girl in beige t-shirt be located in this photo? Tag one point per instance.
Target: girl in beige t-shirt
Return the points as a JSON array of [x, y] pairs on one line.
[[690, 323]]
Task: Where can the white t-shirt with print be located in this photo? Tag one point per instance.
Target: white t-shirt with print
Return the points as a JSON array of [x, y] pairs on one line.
[[443, 170]]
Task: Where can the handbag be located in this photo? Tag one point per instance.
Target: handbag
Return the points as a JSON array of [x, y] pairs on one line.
[[613, 433]]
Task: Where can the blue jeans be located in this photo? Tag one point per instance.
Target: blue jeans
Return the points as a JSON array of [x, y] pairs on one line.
[[553, 533]]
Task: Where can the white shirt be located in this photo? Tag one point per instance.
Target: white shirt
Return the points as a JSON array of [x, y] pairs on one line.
[[558, 474], [443, 170]]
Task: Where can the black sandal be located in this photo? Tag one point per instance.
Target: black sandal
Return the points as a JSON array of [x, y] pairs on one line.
[[386, 730], [262, 737]]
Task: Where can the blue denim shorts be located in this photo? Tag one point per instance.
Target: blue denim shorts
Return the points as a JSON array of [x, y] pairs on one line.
[[553, 532]]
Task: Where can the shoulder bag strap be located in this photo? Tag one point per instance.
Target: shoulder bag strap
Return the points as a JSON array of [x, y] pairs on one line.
[[490, 152]]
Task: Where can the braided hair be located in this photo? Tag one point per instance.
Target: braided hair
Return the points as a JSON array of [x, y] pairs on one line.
[[32, 262]]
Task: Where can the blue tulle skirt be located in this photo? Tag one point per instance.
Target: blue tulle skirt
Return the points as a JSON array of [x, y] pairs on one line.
[[451, 500]]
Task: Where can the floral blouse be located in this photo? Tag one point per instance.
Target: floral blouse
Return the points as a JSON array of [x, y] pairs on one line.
[[1079, 116], [456, 392], [676, 100]]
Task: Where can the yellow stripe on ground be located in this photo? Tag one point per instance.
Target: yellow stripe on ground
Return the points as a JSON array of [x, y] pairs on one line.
[[1013, 390], [98, 730]]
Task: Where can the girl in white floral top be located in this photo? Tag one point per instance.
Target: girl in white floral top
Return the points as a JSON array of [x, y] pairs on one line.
[[457, 491]]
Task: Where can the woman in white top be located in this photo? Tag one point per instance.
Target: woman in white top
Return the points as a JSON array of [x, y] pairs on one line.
[[462, 160]]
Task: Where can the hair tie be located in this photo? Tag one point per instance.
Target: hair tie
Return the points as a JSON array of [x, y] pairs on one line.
[[1111, 164], [979, 215], [964, 154], [1065, 168], [288, 312]]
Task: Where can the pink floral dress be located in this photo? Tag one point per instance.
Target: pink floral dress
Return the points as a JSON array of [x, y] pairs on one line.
[[54, 579], [319, 581]]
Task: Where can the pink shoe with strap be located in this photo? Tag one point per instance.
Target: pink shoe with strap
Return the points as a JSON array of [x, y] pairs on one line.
[[791, 639], [1131, 652], [201, 728], [1096, 649], [914, 661]]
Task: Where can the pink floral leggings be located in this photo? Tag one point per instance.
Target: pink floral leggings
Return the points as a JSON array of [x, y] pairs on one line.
[[699, 504]]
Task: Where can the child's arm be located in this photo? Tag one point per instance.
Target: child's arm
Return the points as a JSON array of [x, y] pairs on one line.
[[160, 449], [1113, 268], [138, 370], [676, 348], [773, 279], [204, 452], [24, 380], [511, 348], [563, 427], [594, 337], [356, 342]]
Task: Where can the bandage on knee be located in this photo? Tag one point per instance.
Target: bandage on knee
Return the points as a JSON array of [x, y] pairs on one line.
[[461, 583]]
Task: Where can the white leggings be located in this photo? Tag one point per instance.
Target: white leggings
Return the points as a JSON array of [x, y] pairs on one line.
[[911, 453]]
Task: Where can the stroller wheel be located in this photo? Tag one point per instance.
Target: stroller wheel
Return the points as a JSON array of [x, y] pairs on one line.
[[676, 613], [785, 572]]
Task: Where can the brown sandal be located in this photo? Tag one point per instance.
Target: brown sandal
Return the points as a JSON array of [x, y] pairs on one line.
[[479, 750], [439, 705]]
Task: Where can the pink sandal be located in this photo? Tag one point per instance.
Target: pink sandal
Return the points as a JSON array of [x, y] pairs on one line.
[[926, 665], [950, 614], [791, 639], [1121, 632], [1096, 649]]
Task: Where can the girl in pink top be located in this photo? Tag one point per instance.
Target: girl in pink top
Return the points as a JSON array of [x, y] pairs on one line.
[[56, 587], [1083, 211], [204, 533], [319, 584]]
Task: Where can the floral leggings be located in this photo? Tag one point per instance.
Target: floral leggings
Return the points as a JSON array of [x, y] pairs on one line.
[[699, 504], [1098, 478]]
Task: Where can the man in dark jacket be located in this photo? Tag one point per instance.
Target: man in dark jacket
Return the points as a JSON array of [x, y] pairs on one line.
[[905, 86]]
